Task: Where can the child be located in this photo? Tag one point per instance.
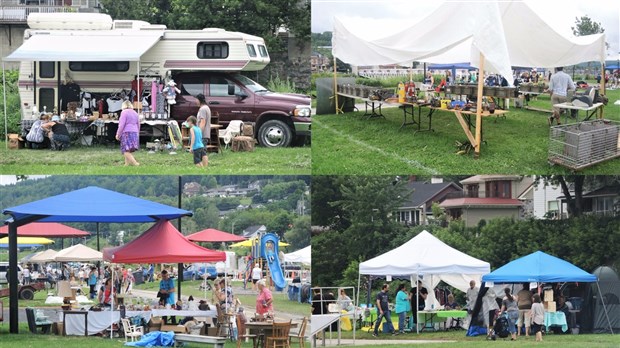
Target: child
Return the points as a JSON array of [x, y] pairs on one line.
[[196, 146]]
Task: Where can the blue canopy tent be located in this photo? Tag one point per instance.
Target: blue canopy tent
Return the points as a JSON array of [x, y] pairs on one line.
[[541, 268], [90, 204], [452, 67]]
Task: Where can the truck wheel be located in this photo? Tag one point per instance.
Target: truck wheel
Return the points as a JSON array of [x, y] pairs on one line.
[[275, 133], [26, 294]]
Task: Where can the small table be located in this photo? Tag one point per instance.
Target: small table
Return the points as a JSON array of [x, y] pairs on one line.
[[428, 317], [375, 109], [556, 318], [590, 110], [409, 109], [263, 329], [72, 313]]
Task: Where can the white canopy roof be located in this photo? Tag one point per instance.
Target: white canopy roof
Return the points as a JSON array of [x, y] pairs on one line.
[[45, 256], [425, 255], [507, 33], [86, 46], [302, 256], [78, 253]]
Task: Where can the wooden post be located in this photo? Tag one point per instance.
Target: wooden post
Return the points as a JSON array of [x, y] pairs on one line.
[[479, 107], [602, 90]]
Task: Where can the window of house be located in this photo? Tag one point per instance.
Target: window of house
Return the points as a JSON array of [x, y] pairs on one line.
[[46, 70], [472, 190], [498, 189], [604, 204], [404, 216], [251, 50], [212, 50]]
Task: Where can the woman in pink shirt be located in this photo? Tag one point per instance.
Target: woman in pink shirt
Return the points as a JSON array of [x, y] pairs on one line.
[[128, 133], [264, 300]]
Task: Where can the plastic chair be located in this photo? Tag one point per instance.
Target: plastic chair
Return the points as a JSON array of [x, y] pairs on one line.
[[133, 331], [241, 335], [300, 337], [234, 129], [279, 335]]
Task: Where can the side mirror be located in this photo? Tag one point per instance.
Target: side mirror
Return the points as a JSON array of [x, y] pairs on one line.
[[241, 95], [231, 89]]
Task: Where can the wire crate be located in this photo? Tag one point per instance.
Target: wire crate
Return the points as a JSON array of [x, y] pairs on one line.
[[580, 145]]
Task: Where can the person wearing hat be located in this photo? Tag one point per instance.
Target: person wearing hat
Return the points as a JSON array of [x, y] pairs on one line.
[[59, 134], [128, 133], [257, 274]]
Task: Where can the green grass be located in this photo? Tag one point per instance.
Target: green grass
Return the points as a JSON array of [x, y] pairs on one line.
[[518, 144], [108, 160]]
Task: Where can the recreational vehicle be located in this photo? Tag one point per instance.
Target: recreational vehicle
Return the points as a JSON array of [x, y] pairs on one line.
[[94, 61]]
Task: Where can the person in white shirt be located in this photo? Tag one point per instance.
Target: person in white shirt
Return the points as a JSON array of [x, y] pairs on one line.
[[538, 317], [257, 274], [26, 275], [559, 85], [471, 296]]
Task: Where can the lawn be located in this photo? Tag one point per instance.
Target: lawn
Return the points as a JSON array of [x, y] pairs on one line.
[[108, 160], [351, 144]]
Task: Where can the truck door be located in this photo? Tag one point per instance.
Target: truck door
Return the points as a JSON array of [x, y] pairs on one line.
[[187, 104], [224, 96]]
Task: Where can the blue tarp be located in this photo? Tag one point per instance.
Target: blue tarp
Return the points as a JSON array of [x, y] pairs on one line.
[[94, 204], [539, 267], [154, 339]]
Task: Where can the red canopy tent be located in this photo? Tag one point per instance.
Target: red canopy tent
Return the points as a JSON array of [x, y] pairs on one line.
[[212, 235], [162, 243], [47, 229]]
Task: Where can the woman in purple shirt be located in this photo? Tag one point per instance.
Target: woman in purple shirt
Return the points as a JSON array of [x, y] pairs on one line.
[[127, 133]]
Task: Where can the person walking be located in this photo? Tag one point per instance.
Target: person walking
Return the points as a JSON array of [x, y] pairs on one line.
[[509, 306], [401, 307], [195, 143], [92, 282], [383, 308], [538, 317], [204, 119], [559, 85], [524, 302], [128, 133]]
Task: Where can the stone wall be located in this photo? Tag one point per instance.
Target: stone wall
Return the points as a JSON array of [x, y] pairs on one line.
[[11, 37], [293, 63]]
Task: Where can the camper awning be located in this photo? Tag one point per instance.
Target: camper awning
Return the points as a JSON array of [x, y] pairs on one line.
[[94, 47]]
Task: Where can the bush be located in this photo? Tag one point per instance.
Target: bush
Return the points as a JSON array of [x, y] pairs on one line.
[[276, 84], [13, 112]]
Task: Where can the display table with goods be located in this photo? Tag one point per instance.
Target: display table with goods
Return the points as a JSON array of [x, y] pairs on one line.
[[591, 110], [556, 319]]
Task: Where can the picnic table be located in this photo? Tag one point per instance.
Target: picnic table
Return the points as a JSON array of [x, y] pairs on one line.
[[596, 108]]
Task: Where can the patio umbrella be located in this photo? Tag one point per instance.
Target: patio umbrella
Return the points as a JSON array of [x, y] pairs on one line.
[[46, 256], [26, 241], [212, 235]]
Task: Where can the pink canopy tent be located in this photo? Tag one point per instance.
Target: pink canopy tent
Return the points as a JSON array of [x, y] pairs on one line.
[[48, 229], [162, 243], [212, 235]]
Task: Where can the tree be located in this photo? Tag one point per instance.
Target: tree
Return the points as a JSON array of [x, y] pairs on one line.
[[299, 235], [586, 26]]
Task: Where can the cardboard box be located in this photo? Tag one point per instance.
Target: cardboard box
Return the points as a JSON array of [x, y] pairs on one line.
[[248, 130], [548, 296], [58, 329], [173, 328], [550, 306], [14, 141]]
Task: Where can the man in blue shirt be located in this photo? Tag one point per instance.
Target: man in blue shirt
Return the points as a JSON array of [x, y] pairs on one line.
[[559, 85], [166, 293]]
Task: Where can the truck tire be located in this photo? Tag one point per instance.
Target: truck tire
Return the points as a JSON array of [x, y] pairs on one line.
[[26, 294], [275, 133]]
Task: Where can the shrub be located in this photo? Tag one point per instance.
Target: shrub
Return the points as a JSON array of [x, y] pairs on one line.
[[13, 112], [277, 84]]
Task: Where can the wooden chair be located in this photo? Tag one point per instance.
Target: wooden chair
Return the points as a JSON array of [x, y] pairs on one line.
[[241, 335], [279, 335], [132, 331], [300, 336], [223, 323]]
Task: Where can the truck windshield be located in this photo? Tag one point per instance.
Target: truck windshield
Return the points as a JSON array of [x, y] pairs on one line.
[[251, 85]]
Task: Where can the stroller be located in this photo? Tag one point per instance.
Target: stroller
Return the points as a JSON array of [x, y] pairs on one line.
[[500, 329]]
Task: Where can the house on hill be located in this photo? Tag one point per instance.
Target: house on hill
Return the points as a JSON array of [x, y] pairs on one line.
[[417, 209]]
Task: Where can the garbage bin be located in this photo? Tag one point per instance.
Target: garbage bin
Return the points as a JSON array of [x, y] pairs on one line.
[[139, 277]]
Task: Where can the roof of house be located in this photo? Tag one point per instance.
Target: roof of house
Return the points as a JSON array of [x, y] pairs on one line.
[[613, 190], [484, 178], [251, 230], [424, 192], [480, 202]]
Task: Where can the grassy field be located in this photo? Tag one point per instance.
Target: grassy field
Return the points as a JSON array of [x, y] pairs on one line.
[[518, 144], [108, 160]]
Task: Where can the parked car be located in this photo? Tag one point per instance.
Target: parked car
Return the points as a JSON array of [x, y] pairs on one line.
[[210, 271], [4, 266]]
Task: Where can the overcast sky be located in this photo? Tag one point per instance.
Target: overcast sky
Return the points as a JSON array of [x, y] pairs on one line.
[[560, 15], [12, 179]]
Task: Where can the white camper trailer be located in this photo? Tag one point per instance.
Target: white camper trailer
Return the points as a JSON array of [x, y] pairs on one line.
[[102, 55]]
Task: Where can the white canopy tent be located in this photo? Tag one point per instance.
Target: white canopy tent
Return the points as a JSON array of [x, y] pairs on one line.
[[491, 35], [45, 256], [78, 253], [426, 256], [301, 256], [505, 33]]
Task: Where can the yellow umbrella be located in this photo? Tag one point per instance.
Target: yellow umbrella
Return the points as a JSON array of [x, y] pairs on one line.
[[28, 241], [248, 243]]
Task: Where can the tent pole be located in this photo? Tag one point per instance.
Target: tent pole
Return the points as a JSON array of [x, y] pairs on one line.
[[12, 278], [604, 307], [357, 302], [338, 109], [6, 128], [479, 107], [602, 89], [417, 304], [112, 294], [179, 265]]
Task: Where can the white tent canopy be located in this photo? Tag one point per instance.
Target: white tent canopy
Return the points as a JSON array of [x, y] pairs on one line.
[[426, 256], [45, 256], [86, 46], [506, 33], [300, 256], [78, 253]]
